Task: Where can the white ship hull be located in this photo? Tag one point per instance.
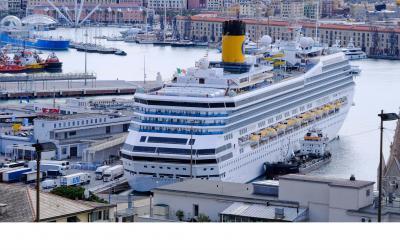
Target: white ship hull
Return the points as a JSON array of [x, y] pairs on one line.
[[247, 167]]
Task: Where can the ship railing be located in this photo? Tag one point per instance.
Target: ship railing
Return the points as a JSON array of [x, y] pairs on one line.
[[181, 132]]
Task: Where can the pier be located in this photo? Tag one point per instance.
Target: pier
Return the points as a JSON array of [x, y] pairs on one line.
[[66, 85]]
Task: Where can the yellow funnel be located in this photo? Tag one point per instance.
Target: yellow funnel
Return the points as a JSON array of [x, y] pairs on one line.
[[233, 41]]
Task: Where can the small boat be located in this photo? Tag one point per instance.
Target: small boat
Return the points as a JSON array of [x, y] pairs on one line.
[[120, 53], [355, 70], [182, 43], [52, 63], [313, 154], [114, 38]]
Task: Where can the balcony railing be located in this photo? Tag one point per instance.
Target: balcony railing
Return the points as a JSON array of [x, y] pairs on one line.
[[181, 114], [181, 132]]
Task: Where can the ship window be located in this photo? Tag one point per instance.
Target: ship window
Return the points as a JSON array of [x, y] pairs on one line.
[[201, 80], [143, 138], [168, 140], [191, 141]]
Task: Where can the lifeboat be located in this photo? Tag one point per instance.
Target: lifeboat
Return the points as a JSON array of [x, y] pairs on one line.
[[280, 128], [254, 139], [318, 113], [279, 63], [337, 106], [278, 55], [293, 122], [264, 132], [308, 116]]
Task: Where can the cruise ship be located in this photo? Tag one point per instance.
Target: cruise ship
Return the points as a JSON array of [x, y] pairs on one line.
[[225, 120]]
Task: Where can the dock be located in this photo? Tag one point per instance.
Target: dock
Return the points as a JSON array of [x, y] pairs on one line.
[[66, 85]]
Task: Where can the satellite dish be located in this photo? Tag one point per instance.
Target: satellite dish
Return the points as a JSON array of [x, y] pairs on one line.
[[265, 40]]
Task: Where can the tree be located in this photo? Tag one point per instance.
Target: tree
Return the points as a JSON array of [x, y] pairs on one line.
[[203, 218], [180, 214], [76, 193]]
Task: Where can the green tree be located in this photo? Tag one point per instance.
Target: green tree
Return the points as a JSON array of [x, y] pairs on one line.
[[203, 218], [180, 214], [76, 193]]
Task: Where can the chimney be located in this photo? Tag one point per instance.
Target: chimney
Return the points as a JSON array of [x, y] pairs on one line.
[[3, 208], [352, 177]]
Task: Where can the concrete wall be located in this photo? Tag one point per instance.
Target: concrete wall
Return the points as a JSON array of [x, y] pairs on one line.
[[9, 140], [303, 192], [208, 206]]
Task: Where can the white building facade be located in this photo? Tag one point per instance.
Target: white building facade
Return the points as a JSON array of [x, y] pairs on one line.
[[298, 197], [72, 134]]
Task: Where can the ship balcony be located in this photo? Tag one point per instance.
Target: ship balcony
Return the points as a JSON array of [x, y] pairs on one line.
[[182, 132], [183, 114], [182, 123]]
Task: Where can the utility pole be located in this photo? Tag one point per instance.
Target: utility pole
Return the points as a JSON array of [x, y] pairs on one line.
[[384, 117], [380, 171], [191, 151], [39, 149]]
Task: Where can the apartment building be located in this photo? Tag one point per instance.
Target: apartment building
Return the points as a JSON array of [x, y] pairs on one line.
[[374, 40]]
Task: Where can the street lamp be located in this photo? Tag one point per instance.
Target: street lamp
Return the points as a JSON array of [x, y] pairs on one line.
[[40, 148], [384, 117]]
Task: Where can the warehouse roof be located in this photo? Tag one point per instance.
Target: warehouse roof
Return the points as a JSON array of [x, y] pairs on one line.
[[340, 182]]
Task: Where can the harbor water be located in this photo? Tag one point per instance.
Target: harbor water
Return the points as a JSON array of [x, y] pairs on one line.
[[356, 151]]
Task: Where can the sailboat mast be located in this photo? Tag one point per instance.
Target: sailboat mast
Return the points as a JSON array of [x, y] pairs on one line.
[[165, 17], [316, 22]]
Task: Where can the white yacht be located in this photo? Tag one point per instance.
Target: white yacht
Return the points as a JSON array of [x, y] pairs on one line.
[[224, 120], [352, 52]]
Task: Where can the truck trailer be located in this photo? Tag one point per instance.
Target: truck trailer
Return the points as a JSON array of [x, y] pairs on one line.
[[75, 179], [30, 177], [100, 171], [14, 175], [113, 173]]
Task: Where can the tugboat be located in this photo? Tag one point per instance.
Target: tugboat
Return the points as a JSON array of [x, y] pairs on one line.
[[52, 63], [26, 61], [312, 155]]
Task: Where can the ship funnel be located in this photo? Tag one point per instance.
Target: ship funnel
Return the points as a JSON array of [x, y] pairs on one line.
[[233, 39]]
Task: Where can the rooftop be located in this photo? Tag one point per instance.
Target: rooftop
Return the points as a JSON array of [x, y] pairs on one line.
[[230, 190], [266, 212], [340, 182], [21, 205]]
